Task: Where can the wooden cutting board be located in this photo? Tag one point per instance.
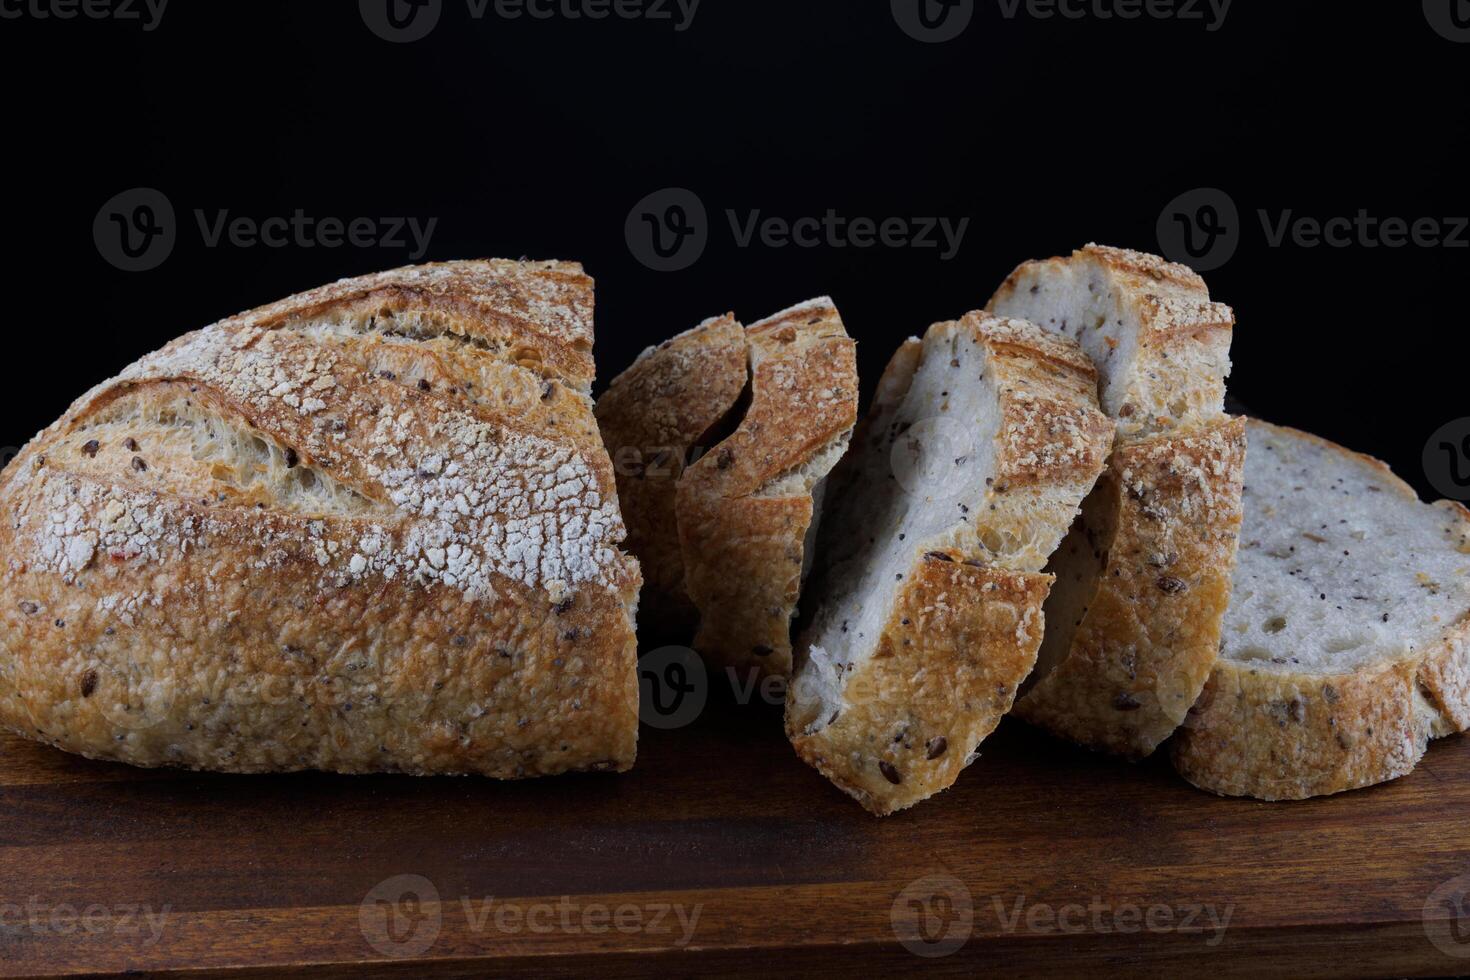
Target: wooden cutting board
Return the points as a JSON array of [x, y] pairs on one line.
[[722, 853]]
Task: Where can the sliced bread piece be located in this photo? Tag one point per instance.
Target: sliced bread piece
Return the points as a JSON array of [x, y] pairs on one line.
[[1143, 578], [1161, 346], [926, 610], [1345, 644], [747, 509], [655, 418]]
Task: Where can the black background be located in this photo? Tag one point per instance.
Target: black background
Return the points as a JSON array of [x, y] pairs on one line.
[[537, 137]]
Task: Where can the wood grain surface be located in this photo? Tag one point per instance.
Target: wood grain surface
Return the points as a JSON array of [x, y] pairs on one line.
[[722, 854]]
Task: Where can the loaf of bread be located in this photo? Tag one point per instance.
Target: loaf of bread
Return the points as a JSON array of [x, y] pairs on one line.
[[925, 606], [370, 528], [1346, 646], [724, 437], [1143, 577]]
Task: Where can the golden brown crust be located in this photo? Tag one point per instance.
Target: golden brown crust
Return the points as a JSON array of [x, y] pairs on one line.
[[285, 554], [1289, 735], [1151, 633], [538, 314], [958, 642], [961, 629], [747, 576], [803, 395], [653, 417], [745, 507]]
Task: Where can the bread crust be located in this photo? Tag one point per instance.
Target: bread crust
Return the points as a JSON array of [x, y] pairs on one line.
[[453, 602], [957, 643], [1290, 735], [964, 627], [1151, 632], [744, 509], [653, 418]]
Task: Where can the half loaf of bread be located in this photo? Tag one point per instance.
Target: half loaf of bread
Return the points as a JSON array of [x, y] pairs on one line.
[[368, 528]]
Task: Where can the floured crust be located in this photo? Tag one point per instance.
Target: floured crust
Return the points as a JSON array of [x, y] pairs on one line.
[[745, 507], [1151, 633], [402, 554], [653, 418], [1289, 735], [537, 314], [958, 642]]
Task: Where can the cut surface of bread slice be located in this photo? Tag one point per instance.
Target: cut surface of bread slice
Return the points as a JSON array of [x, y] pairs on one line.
[[655, 418], [747, 508], [982, 441], [1143, 578], [1345, 645]]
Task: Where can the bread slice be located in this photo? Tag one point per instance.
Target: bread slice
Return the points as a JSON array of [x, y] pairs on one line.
[[370, 528], [749, 508], [981, 443], [1161, 346], [1143, 578], [1345, 645], [657, 417]]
